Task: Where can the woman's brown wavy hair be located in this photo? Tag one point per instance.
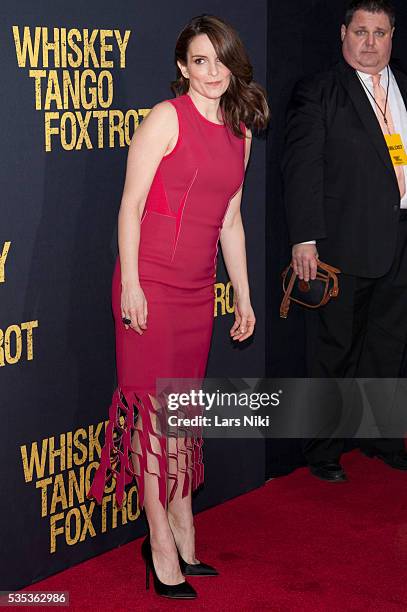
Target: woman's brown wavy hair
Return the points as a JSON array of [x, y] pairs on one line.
[[244, 100]]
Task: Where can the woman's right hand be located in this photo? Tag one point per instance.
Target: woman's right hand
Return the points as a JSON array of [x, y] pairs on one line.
[[134, 307]]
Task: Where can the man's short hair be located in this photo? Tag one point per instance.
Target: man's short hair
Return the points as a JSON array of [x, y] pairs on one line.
[[371, 6]]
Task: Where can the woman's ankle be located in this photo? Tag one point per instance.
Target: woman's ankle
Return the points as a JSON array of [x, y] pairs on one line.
[[180, 523], [162, 539], [184, 537]]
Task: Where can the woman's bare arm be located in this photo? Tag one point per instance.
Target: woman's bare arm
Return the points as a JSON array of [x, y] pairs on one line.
[[232, 239], [155, 137]]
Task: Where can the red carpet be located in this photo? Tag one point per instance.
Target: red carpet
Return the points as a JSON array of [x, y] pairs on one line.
[[296, 544]]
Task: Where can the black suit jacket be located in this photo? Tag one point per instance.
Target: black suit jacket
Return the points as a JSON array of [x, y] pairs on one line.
[[339, 182]]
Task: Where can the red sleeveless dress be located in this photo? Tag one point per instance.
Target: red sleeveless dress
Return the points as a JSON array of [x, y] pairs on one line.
[[179, 234]]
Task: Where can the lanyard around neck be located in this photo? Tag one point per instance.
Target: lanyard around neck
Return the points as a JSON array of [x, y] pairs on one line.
[[374, 99]]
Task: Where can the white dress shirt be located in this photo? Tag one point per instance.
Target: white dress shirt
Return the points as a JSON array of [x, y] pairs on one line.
[[397, 109]]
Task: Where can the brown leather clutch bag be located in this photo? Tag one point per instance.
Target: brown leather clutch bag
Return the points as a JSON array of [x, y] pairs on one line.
[[312, 293]]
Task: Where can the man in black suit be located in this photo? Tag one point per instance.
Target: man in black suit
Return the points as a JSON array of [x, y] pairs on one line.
[[347, 205]]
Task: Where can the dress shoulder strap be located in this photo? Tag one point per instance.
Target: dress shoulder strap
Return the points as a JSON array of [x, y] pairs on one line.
[[179, 104]]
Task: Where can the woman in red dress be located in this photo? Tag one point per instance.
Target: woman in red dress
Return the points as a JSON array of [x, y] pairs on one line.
[[182, 195]]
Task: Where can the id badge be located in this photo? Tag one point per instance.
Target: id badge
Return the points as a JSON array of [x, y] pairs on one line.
[[396, 149]]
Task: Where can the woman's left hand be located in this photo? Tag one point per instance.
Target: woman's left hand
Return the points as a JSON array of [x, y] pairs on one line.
[[245, 320]]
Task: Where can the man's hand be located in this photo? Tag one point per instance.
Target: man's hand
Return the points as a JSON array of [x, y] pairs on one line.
[[305, 261]]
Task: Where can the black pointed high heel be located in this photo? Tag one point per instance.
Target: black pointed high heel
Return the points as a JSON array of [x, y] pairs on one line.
[[196, 569], [182, 590]]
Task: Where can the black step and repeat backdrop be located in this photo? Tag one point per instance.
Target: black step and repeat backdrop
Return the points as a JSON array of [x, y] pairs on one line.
[[77, 79]]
